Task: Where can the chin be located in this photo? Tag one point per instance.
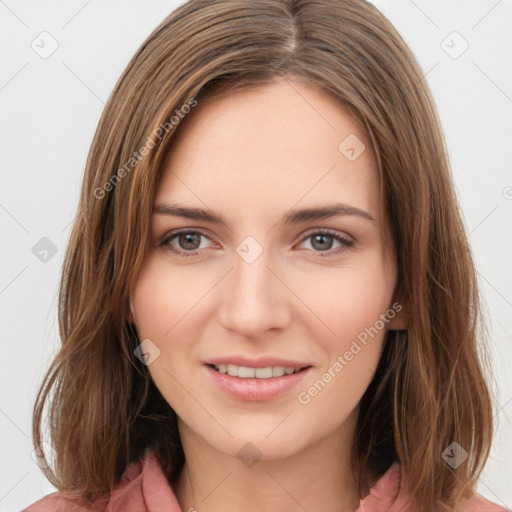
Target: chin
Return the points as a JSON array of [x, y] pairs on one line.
[[260, 441]]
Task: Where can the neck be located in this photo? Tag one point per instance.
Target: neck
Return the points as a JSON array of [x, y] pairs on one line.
[[316, 477]]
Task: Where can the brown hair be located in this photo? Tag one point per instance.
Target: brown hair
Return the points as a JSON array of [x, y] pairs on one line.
[[429, 389]]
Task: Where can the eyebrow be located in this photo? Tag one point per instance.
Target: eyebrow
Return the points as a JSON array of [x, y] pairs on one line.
[[293, 216]]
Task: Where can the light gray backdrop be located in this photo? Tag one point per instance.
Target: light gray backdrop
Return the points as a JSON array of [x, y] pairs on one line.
[[60, 61]]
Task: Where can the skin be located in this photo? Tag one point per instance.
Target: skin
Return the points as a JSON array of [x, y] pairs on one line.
[[251, 156]]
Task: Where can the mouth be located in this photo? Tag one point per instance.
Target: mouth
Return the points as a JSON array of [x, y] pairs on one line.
[[247, 372], [251, 383]]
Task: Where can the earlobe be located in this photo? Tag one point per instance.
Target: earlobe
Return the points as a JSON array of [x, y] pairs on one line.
[[398, 322], [132, 314]]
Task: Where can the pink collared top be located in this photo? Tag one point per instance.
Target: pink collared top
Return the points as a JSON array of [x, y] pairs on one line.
[[144, 488]]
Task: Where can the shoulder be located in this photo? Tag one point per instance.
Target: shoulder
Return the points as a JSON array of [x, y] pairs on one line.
[[143, 487], [58, 502], [478, 503], [388, 495]]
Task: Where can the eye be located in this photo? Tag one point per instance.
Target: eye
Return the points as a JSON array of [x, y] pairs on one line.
[[189, 242], [322, 241]]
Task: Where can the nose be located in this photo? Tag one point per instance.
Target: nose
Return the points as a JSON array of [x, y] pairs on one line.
[[255, 298]]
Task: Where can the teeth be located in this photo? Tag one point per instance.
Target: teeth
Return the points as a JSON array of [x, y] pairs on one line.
[[277, 371], [245, 372]]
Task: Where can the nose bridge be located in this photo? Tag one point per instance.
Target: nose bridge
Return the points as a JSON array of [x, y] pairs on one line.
[[254, 299]]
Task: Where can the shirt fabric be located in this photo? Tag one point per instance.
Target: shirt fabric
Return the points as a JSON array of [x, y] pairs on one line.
[[144, 488]]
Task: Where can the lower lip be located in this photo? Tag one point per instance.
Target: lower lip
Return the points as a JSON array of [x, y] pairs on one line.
[[255, 389]]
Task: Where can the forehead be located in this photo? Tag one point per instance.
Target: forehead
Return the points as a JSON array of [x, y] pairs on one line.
[[268, 148]]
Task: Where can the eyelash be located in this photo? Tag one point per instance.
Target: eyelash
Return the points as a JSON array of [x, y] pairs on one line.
[[345, 243]]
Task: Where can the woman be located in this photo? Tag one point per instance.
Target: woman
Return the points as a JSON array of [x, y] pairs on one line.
[[268, 301]]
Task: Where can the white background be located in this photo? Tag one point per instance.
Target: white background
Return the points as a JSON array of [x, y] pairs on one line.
[[50, 109]]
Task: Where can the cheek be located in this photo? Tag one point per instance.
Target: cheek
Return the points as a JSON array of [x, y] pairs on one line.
[[350, 356], [347, 299], [165, 297], [165, 300], [169, 303], [351, 302]]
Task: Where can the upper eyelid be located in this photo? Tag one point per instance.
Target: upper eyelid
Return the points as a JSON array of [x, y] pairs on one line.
[[304, 236], [173, 234]]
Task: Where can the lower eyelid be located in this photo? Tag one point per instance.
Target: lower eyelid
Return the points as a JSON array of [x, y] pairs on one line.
[[166, 242], [345, 242], [337, 237]]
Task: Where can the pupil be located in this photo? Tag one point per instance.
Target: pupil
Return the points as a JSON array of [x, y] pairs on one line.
[[318, 237], [188, 239]]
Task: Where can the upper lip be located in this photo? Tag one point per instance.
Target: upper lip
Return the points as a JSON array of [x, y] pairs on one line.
[[260, 362]]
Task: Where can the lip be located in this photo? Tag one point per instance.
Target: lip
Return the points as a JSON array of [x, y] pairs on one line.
[[254, 390], [260, 362]]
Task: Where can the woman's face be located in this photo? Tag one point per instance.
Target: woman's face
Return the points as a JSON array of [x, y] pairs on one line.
[[268, 286]]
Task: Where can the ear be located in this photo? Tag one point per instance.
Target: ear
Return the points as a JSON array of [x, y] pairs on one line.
[[132, 314], [398, 317]]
